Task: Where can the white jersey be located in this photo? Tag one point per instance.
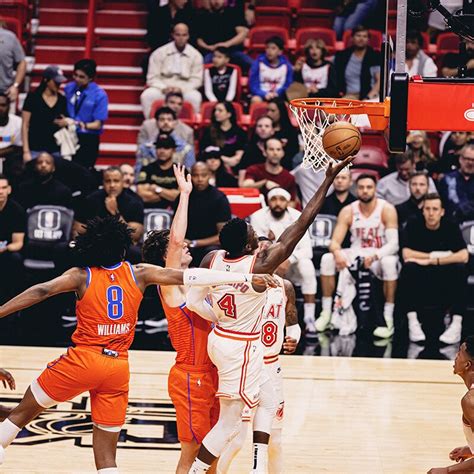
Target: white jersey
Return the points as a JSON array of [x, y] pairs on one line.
[[367, 232], [238, 306]]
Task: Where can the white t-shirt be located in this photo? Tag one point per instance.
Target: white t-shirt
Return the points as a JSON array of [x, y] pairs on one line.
[[10, 134]]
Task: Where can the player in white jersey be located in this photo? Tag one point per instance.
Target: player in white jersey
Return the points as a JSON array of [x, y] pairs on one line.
[[464, 455], [373, 225], [239, 242]]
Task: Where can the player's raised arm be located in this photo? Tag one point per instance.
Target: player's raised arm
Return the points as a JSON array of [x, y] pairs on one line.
[[72, 280], [287, 242]]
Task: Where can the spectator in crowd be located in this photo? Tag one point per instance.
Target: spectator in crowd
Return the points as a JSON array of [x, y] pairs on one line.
[[451, 146], [10, 141], [394, 187], [418, 63], [12, 63], [358, 68], [163, 16], [112, 200], [309, 183], [225, 134], [43, 114], [451, 61], [271, 222], [208, 212], [457, 187], [271, 73], [350, 13], [225, 26], [44, 187], [253, 154], [164, 123], [373, 226], [128, 173], [271, 174], [175, 101], [12, 236], [341, 197], [219, 176], [174, 67], [315, 72], [220, 81], [435, 270], [419, 148], [87, 104], [156, 182], [418, 184], [284, 130]]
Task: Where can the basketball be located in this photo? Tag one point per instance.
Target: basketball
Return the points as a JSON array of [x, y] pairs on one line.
[[341, 139]]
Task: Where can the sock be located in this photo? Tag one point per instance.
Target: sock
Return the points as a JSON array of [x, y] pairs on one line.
[[457, 319], [8, 432], [412, 317], [260, 458], [327, 303], [309, 310], [199, 467], [388, 313], [108, 470]]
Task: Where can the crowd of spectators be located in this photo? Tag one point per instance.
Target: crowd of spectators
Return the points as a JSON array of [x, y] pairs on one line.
[[48, 154]]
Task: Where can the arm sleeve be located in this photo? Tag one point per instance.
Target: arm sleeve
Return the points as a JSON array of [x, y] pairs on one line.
[[18, 53], [232, 90], [208, 91], [205, 277], [251, 173], [288, 79], [391, 247], [196, 301], [101, 111], [254, 79]]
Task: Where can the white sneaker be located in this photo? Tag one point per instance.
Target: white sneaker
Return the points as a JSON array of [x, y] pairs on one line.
[[415, 333], [323, 321], [452, 335], [311, 329], [384, 332], [2, 454]]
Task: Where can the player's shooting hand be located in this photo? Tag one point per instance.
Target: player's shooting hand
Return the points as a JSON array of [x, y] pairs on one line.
[[289, 346], [333, 170], [460, 453], [7, 379], [265, 280], [185, 185]]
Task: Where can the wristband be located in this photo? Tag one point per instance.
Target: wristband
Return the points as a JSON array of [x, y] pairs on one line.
[[193, 244], [158, 189], [294, 332], [16, 85]]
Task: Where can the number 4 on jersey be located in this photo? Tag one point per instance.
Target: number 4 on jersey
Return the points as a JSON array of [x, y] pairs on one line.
[[227, 304]]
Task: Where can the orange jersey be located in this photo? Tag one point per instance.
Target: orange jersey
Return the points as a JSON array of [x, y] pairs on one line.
[[107, 313], [188, 333]]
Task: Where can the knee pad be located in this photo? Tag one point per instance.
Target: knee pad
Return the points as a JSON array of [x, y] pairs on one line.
[[41, 397], [266, 409], [390, 265], [328, 265], [308, 276]]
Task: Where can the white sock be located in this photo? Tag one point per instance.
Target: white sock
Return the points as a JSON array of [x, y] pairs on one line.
[[8, 432], [457, 319], [309, 310], [260, 458], [199, 467], [412, 317], [326, 301], [108, 470], [388, 311]]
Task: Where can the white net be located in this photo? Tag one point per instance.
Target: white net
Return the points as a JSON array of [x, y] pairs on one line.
[[313, 122]]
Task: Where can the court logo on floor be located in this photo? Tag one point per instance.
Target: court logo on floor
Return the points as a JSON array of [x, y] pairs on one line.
[[150, 424]]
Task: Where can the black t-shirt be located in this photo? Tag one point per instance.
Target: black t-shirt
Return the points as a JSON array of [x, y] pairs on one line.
[[447, 237], [408, 210], [53, 193], [333, 206], [130, 207], [253, 155], [217, 27], [12, 221], [234, 139], [452, 60], [289, 138], [42, 127], [153, 174], [206, 209]]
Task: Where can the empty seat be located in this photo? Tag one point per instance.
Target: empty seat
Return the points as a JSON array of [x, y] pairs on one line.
[[243, 201], [447, 42], [13, 25], [371, 157], [311, 13], [269, 15]]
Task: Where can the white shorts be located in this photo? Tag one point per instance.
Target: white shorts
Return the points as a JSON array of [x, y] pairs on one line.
[[239, 362]]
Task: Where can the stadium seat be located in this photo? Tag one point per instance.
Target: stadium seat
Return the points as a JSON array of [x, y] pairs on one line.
[[257, 109], [259, 34], [187, 112], [326, 34], [239, 78], [375, 39], [271, 15], [371, 157], [14, 25], [208, 107], [312, 13], [374, 139], [156, 219], [47, 226], [447, 43], [243, 201], [15, 9], [355, 172]]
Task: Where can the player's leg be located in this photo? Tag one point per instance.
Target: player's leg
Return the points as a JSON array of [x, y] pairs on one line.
[[5, 412], [233, 448], [104, 443], [328, 287], [275, 452], [308, 288], [189, 451]]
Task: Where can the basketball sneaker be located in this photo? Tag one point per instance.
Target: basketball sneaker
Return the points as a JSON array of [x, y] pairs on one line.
[[415, 333], [452, 335], [322, 323], [384, 332]]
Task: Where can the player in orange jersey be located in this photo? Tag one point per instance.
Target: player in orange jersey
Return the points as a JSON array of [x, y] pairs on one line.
[[192, 382], [109, 291], [8, 381]]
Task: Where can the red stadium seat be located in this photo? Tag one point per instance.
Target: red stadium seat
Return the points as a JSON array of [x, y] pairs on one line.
[[356, 172], [375, 39], [243, 201], [15, 9], [371, 157], [269, 16], [257, 109], [312, 13], [14, 25], [447, 43], [187, 113], [208, 107], [374, 139], [239, 77], [259, 34], [326, 34]]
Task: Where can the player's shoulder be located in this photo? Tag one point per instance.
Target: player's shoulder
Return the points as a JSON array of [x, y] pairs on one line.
[[467, 402], [209, 258], [288, 287]]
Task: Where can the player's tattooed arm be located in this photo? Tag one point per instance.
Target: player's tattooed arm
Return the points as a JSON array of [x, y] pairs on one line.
[[74, 280], [293, 330]]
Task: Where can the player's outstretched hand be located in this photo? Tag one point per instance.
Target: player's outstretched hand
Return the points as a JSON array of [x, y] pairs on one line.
[[185, 185], [461, 453], [333, 170], [265, 280], [7, 379], [290, 345]]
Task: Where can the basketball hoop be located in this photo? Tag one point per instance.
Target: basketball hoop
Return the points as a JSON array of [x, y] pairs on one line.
[[314, 115]]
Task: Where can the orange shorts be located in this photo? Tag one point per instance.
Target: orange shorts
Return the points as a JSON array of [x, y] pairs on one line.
[[193, 394], [86, 369]]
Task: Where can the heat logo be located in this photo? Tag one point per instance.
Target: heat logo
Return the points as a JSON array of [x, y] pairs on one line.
[[469, 114]]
